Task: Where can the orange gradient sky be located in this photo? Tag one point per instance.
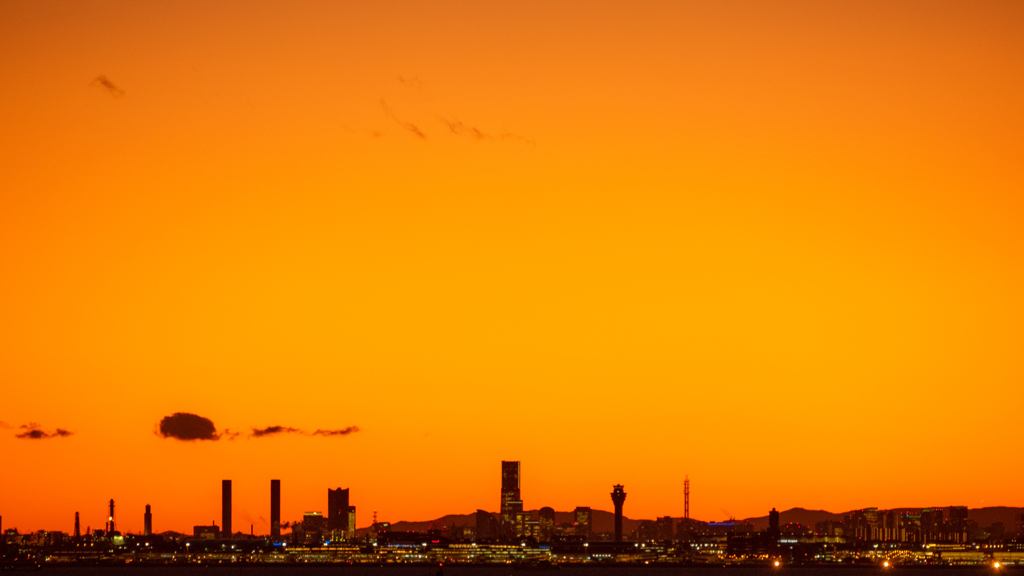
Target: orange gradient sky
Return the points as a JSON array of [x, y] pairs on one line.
[[776, 246]]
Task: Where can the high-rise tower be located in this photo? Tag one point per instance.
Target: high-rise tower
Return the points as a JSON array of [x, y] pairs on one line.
[[225, 509], [618, 498], [78, 529], [148, 521], [337, 510], [511, 500], [275, 510]]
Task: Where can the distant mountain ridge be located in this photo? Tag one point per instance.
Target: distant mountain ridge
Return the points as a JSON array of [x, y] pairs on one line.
[[985, 517], [604, 521], [601, 521]]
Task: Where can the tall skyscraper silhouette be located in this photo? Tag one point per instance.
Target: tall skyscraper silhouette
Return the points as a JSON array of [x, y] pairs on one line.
[[337, 510], [148, 521], [78, 527], [225, 509], [511, 500], [275, 510], [618, 498]]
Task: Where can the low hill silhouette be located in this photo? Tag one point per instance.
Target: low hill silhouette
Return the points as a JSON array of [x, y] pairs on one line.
[[604, 521], [601, 521]]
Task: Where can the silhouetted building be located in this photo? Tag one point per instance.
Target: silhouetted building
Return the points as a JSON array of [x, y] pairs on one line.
[[891, 529], [487, 527], [932, 522], [997, 532], [78, 530], [956, 524], [225, 508], [582, 516], [646, 531], [618, 498], [547, 523], [511, 501], [521, 527], [206, 532], [665, 528], [773, 524], [313, 527], [341, 517], [829, 528], [337, 509], [147, 522], [275, 510]]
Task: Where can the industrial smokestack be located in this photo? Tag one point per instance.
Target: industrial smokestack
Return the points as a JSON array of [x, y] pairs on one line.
[[275, 510], [110, 519], [225, 520]]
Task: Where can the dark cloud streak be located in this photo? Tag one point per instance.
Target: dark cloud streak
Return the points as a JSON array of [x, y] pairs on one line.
[[273, 431], [103, 82], [32, 431], [412, 82], [342, 432], [407, 125], [461, 129], [276, 430]]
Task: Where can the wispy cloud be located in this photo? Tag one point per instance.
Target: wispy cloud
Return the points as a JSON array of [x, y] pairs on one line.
[[33, 431], [407, 125], [273, 431], [103, 82], [341, 432], [277, 430], [412, 81], [459, 128]]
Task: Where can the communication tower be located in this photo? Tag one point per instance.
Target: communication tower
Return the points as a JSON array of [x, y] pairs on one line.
[[686, 497]]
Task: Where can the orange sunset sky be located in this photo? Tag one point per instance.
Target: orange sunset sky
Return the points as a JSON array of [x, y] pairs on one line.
[[776, 246]]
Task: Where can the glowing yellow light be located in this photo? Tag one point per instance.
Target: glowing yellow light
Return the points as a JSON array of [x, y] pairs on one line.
[[886, 564], [997, 564], [776, 563]]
